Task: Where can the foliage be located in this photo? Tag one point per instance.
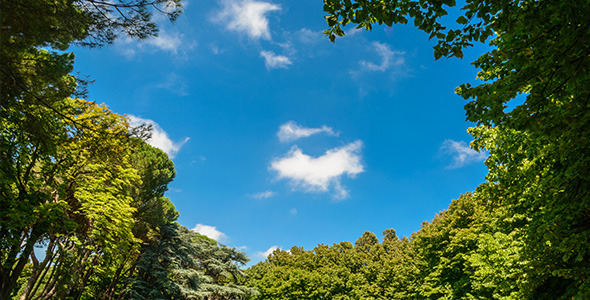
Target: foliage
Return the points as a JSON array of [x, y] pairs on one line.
[[65, 179], [538, 161], [35, 72], [458, 255], [76, 201], [156, 171], [75, 182], [365, 270], [182, 264]]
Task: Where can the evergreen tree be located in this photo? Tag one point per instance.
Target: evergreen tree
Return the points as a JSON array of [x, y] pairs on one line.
[[182, 264]]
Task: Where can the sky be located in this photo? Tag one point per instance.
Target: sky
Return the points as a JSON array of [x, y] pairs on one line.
[[281, 138]]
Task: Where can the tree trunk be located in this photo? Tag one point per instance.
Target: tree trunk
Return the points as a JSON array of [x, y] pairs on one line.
[[38, 269], [9, 282], [108, 294]]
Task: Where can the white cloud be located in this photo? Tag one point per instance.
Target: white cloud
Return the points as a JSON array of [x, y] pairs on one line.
[[462, 153], [247, 16], [166, 41], [210, 231], [293, 211], [174, 83], [264, 195], [266, 253], [322, 173], [159, 138], [389, 58], [354, 31], [215, 49], [291, 131], [307, 36], [274, 61]]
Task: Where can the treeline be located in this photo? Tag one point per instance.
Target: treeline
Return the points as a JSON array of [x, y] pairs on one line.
[[469, 251], [82, 208]]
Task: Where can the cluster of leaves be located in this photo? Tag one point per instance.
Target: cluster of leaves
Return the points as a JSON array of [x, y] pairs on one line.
[[74, 199]]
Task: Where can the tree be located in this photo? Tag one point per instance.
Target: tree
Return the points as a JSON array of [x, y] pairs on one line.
[[156, 170], [466, 252], [42, 128], [182, 264], [76, 202], [539, 164], [34, 71], [151, 211], [366, 269]]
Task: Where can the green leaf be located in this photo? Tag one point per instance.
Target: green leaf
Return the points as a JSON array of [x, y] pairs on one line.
[[462, 20]]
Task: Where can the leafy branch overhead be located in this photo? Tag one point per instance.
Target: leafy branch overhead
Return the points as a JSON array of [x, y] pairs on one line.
[[475, 25]]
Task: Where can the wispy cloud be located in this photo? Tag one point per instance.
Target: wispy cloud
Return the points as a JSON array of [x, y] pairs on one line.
[[159, 138], [174, 83], [389, 58], [293, 211], [266, 253], [275, 61], [169, 6], [387, 63], [210, 231], [462, 153], [263, 195], [247, 16], [215, 49], [354, 31], [166, 41], [323, 173], [307, 36], [292, 131]]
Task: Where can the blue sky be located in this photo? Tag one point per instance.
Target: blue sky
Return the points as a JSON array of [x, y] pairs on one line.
[[282, 138]]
